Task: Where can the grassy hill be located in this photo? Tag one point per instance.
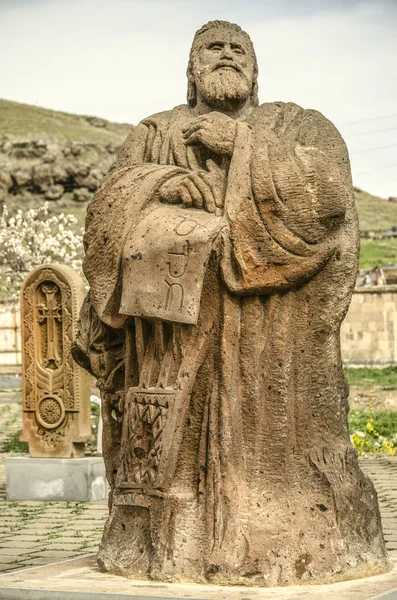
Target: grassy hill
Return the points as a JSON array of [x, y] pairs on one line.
[[375, 214], [33, 122]]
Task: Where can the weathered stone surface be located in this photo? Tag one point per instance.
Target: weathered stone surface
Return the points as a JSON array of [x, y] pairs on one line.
[[56, 404], [221, 251], [22, 176]]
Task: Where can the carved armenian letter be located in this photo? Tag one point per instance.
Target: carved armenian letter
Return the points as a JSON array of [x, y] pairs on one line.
[[221, 253], [55, 391]]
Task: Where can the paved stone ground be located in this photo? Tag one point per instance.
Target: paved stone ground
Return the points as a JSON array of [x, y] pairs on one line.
[[383, 472], [40, 533]]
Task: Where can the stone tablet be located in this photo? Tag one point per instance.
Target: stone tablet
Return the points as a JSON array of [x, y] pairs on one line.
[[163, 275], [216, 346], [55, 391]]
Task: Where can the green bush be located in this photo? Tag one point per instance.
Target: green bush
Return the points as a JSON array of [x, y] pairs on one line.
[[12, 443]]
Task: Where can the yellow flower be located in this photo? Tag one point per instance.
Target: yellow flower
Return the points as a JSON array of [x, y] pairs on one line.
[[389, 447], [371, 429]]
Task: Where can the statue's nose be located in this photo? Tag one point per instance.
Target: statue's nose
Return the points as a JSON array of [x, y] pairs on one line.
[[227, 52]]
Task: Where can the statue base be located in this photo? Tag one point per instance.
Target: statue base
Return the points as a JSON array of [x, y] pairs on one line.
[[56, 479], [79, 579]]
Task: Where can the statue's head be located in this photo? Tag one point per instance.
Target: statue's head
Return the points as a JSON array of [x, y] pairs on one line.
[[222, 68]]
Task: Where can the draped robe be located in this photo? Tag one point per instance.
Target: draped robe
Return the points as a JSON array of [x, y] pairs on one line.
[[261, 477]]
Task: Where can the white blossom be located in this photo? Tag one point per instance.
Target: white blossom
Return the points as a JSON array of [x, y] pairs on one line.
[[32, 238]]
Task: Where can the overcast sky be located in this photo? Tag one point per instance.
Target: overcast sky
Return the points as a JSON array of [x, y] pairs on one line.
[[126, 59]]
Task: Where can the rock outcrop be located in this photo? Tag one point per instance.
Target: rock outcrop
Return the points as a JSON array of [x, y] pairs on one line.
[[51, 168], [54, 156]]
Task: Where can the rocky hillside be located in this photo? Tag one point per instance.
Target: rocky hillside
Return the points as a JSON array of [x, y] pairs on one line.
[[53, 156]]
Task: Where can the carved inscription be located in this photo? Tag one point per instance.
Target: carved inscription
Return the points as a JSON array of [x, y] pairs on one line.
[[177, 265], [174, 299], [185, 227]]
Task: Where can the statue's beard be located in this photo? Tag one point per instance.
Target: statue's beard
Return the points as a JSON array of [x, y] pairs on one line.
[[223, 89]]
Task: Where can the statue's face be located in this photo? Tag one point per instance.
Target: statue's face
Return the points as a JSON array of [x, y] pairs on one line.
[[223, 69]]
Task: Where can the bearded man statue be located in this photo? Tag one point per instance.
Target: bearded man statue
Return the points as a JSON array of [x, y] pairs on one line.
[[221, 252]]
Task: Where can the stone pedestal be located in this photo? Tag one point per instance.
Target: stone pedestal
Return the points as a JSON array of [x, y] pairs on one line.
[[79, 579], [56, 479]]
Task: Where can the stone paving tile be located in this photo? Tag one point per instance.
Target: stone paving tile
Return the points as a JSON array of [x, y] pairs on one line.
[[4, 568], [383, 472], [16, 543]]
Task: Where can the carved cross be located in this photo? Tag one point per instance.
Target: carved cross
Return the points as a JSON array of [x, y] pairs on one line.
[[50, 312]]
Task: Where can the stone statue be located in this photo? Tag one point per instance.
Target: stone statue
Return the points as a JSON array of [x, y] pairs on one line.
[[221, 251], [56, 400]]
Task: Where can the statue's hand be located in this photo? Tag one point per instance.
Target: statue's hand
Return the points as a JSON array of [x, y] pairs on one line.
[[199, 189], [214, 130], [170, 191]]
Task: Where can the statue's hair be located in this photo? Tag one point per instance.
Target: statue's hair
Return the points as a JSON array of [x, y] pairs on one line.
[[196, 45]]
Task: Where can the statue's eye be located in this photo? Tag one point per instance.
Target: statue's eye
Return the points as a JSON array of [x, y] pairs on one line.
[[237, 49], [216, 47]]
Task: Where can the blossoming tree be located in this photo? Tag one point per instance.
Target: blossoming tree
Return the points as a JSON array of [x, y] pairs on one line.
[[32, 238]]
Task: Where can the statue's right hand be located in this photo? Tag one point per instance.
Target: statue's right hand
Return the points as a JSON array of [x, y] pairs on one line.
[[170, 190], [198, 189]]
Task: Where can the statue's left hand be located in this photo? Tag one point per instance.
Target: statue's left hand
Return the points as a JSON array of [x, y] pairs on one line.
[[214, 130]]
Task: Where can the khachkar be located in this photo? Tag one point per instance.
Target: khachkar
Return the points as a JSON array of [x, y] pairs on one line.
[[221, 251], [56, 405]]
